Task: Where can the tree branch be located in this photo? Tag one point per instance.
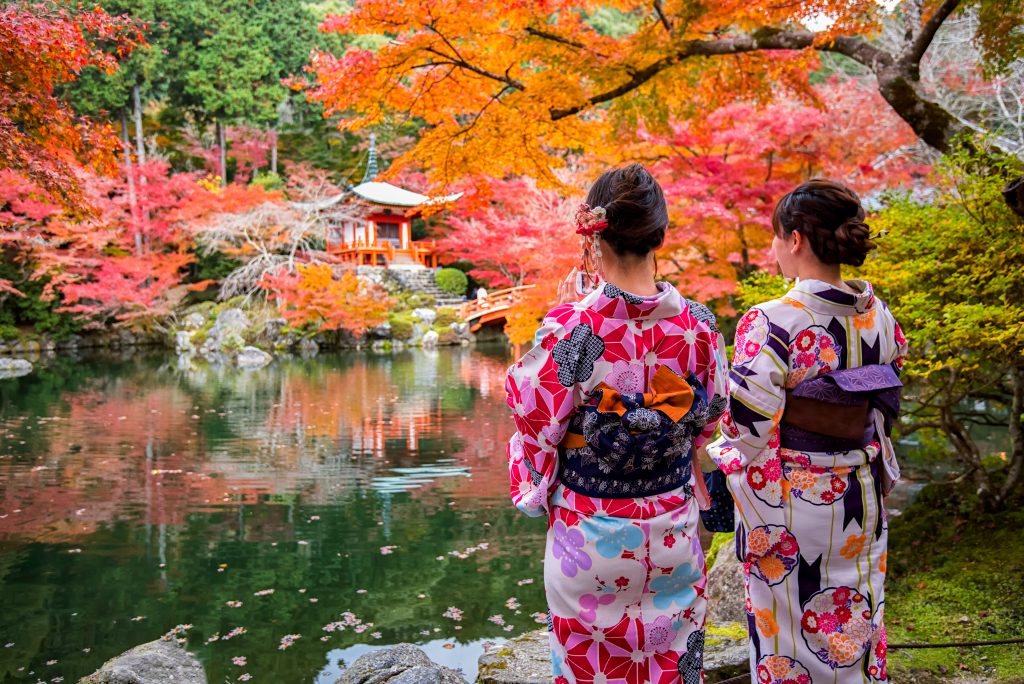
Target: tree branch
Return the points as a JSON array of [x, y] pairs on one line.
[[915, 51], [554, 38], [477, 70], [855, 48], [661, 16]]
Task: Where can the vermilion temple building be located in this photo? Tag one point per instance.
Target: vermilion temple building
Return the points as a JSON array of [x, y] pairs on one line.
[[383, 237]]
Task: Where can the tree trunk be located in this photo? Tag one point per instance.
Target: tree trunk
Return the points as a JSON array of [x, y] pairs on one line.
[[273, 150], [132, 201], [1013, 473], [222, 143], [140, 148], [967, 453]]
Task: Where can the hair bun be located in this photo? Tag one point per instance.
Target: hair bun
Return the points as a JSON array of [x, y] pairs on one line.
[[635, 208], [830, 217], [853, 241]]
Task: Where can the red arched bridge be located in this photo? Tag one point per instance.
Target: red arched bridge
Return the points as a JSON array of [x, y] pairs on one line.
[[491, 308]]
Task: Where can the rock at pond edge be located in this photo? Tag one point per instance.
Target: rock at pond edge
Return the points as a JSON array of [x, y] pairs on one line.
[[156, 662], [401, 664]]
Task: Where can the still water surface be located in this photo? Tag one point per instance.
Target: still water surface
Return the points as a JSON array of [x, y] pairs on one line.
[[350, 501]]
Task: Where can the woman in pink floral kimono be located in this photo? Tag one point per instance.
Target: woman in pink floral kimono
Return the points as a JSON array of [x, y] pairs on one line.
[[610, 407], [814, 391]]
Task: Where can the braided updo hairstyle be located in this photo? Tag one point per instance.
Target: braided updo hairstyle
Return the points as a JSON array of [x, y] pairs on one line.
[[830, 217], [634, 208]]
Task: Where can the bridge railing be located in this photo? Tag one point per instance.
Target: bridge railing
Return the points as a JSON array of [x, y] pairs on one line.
[[492, 304]]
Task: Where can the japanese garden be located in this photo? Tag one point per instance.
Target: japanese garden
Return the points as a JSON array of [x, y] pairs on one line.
[[265, 264]]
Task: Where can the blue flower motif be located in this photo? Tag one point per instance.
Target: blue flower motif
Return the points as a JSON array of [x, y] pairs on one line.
[[613, 535], [677, 587], [556, 664]]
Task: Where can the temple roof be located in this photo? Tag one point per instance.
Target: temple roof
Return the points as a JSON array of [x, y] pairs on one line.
[[393, 196]]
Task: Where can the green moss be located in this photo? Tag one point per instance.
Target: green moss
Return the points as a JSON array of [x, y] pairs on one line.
[[954, 575], [717, 542], [446, 315], [401, 326], [732, 630]]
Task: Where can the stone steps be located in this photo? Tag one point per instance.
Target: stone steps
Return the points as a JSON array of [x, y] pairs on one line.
[[421, 280]]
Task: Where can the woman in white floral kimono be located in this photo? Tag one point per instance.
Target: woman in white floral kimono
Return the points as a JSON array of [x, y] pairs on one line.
[[814, 390], [610, 407]]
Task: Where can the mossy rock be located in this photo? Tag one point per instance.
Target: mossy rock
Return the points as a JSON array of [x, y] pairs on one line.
[[446, 315], [401, 326]]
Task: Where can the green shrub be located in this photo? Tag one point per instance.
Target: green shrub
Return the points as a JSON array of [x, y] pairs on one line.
[[445, 317], [268, 180], [452, 280], [401, 327]]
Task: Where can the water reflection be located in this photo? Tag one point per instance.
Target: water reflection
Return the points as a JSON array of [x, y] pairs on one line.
[[135, 496]]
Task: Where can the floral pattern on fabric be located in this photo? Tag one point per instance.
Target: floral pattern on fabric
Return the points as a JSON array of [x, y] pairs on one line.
[[813, 352], [751, 335], [829, 501], [623, 574], [772, 553], [836, 625], [773, 669], [817, 485]]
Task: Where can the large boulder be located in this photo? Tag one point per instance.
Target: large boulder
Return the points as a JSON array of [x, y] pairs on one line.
[[228, 329], [183, 342], [193, 321], [14, 368], [524, 660], [725, 593], [157, 662], [425, 316], [430, 339], [401, 664]]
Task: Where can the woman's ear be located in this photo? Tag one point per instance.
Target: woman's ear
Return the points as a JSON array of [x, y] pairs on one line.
[[798, 242]]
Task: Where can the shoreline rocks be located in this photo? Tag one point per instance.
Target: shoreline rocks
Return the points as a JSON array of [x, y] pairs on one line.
[[401, 664], [155, 662]]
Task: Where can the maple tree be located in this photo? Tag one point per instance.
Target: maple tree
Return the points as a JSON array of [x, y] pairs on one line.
[[42, 46], [315, 295], [509, 87], [723, 172]]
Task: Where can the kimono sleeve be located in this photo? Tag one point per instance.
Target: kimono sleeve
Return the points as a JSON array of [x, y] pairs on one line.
[[541, 406], [757, 392], [715, 379]]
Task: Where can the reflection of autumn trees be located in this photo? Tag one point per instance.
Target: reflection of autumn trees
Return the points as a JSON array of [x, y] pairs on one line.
[[150, 446]]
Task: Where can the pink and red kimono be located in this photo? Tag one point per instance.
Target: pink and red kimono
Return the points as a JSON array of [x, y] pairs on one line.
[[610, 407]]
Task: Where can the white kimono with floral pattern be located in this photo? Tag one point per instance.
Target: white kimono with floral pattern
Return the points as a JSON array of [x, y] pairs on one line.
[[811, 529]]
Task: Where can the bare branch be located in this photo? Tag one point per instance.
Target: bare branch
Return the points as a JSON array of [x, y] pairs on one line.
[[661, 16], [915, 51]]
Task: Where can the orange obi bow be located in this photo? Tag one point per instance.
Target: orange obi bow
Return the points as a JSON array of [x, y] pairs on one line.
[[669, 394]]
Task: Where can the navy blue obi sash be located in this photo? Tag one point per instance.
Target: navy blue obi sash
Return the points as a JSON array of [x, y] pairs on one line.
[[633, 445], [834, 411]]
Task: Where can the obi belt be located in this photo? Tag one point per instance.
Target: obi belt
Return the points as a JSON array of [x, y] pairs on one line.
[[836, 411], [633, 445]]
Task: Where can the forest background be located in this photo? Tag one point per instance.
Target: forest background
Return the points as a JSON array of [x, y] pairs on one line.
[[157, 153]]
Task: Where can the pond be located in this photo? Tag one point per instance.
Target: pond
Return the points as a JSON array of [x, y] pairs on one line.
[[295, 516]]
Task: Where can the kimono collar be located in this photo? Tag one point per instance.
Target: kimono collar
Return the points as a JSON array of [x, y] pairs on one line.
[[612, 302], [829, 299]]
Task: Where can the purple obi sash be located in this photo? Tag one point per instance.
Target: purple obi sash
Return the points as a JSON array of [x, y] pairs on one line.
[[838, 396]]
